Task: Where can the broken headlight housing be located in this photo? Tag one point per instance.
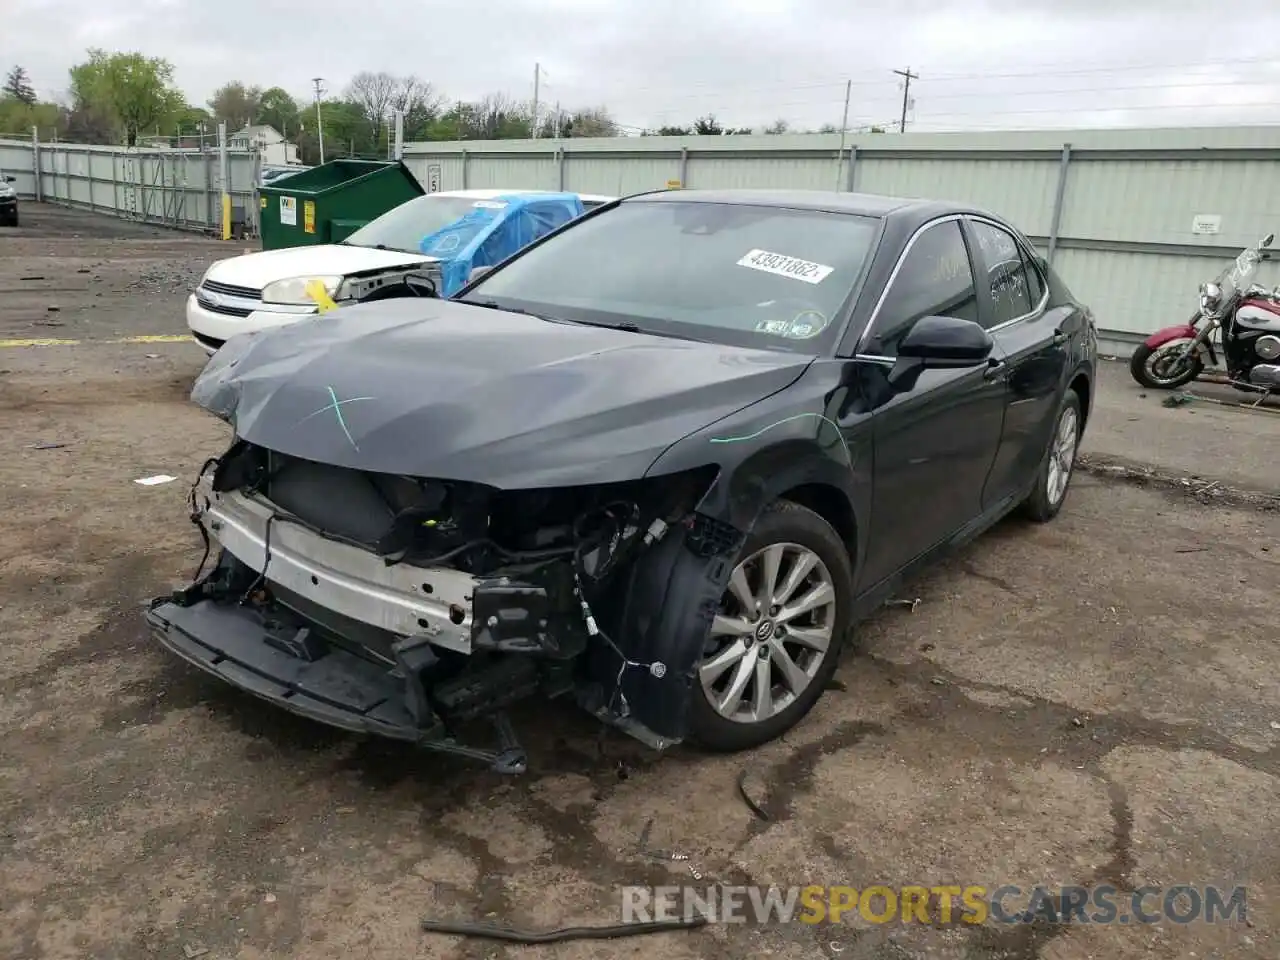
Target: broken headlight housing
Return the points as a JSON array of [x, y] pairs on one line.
[[293, 291]]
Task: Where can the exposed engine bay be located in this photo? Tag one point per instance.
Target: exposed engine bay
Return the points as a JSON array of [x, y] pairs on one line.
[[406, 606], [419, 281]]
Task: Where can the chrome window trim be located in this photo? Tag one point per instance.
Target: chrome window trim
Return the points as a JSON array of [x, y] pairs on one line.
[[1022, 249], [902, 258], [897, 268]]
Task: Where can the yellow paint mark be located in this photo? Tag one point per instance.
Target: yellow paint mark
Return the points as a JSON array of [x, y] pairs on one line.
[[317, 292], [309, 216], [38, 343], [50, 342], [226, 216]]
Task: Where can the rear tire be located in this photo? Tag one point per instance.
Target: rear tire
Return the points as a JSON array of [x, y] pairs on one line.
[[1141, 367], [1056, 469], [811, 571]]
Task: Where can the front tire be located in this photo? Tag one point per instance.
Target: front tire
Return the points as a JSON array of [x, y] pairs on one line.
[[776, 640], [1153, 367], [1054, 476]]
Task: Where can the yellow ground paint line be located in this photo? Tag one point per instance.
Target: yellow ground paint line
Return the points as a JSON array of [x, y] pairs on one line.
[[54, 342]]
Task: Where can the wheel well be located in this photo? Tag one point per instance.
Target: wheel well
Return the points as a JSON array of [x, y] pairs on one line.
[[1082, 388], [832, 506]]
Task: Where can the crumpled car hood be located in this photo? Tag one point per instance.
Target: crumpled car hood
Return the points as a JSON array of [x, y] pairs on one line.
[[433, 388]]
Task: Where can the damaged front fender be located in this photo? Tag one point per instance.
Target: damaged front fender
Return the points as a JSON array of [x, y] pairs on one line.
[[764, 453]]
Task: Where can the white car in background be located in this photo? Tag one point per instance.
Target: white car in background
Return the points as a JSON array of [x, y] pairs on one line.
[[257, 291]]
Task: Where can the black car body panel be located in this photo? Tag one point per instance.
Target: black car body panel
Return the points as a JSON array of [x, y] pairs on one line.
[[507, 400], [449, 390]]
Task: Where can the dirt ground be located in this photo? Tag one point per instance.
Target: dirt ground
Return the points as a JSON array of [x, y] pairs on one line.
[[1094, 701]]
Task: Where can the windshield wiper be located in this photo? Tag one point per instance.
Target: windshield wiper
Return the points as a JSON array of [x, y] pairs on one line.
[[494, 305], [626, 326]]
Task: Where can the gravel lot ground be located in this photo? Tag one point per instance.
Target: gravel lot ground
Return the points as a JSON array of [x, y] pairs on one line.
[[1093, 701]]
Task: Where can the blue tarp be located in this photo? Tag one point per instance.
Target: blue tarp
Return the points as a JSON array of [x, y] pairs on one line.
[[494, 230]]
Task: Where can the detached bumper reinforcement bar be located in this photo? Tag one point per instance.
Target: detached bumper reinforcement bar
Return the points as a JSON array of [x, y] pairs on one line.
[[313, 679]]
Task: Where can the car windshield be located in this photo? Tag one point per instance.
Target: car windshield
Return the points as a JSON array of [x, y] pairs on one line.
[[738, 274], [403, 227]]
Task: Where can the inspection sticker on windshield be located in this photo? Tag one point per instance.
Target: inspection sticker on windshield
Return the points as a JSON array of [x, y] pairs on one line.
[[785, 266], [490, 205]]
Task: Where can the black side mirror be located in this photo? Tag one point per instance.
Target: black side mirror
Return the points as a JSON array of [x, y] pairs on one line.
[[939, 343], [9, 179]]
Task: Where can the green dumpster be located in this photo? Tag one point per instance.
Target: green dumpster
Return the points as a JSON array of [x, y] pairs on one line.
[[328, 203]]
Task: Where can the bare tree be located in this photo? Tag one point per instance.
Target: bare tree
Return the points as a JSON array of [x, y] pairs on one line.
[[590, 122], [497, 117], [418, 100], [372, 93]]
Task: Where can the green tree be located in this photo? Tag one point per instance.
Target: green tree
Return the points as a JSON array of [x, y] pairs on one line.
[[708, 126], [135, 91], [451, 124], [236, 104], [495, 117], [18, 86], [278, 109], [346, 133], [18, 118], [187, 122]]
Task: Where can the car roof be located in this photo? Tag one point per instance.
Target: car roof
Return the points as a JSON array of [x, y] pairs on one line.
[[830, 201], [520, 191]]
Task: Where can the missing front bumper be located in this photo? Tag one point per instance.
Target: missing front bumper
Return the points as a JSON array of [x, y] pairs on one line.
[[287, 663]]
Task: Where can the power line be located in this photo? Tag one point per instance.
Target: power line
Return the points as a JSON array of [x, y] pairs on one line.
[[1015, 96], [1022, 94], [992, 119], [871, 75]]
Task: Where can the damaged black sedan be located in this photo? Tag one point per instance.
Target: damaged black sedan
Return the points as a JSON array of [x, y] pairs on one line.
[[661, 461]]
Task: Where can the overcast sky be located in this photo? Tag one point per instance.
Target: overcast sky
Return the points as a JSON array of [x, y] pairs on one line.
[[982, 64]]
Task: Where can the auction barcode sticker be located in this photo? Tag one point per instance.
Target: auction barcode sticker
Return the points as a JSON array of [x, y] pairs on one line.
[[784, 266]]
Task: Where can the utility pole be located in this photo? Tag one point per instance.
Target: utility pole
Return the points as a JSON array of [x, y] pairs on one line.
[[844, 126], [907, 77], [537, 82], [319, 85], [224, 175]]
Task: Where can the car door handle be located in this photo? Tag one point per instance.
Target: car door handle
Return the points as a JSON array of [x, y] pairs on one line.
[[1060, 337], [996, 370]]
